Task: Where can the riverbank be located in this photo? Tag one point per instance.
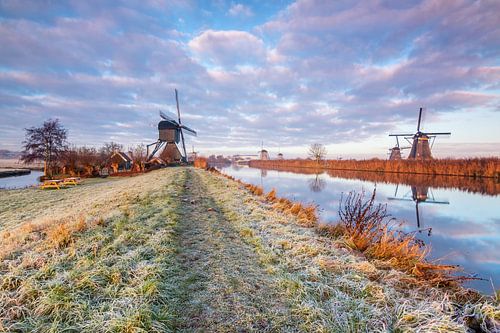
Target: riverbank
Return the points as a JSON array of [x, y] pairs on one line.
[[181, 249], [17, 164], [482, 185], [472, 167], [14, 172]]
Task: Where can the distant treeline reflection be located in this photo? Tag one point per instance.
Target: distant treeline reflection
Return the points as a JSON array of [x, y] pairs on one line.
[[486, 186]]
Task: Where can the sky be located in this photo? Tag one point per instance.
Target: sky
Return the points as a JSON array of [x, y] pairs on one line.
[[281, 74]]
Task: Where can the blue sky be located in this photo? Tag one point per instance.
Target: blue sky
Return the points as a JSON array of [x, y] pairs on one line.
[[341, 73]]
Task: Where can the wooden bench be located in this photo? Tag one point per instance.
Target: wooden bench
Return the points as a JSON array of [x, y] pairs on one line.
[[53, 183], [72, 181]]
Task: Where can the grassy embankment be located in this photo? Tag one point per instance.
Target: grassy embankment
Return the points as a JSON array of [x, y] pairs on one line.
[[185, 250], [472, 167]]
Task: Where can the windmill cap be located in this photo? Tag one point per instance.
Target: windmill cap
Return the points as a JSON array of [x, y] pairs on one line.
[[165, 124]]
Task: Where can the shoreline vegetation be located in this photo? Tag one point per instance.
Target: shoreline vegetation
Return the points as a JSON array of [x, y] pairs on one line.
[[13, 172], [471, 167], [183, 249], [482, 185]]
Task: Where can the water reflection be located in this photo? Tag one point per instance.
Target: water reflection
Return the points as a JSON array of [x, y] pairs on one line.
[[464, 215], [419, 194], [488, 186], [317, 184]]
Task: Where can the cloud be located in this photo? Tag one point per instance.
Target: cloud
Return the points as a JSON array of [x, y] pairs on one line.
[[228, 48], [332, 72], [240, 10]]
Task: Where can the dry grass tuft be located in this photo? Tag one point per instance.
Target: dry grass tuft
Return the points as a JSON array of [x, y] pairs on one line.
[[81, 224], [59, 235], [271, 196], [296, 208], [331, 230], [368, 228], [257, 190]]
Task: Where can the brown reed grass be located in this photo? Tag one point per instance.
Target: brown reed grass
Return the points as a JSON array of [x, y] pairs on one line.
[[368, 228], [470, 167], [200, 162]]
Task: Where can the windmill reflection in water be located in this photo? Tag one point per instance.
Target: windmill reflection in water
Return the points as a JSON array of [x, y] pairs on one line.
[[419, 195]]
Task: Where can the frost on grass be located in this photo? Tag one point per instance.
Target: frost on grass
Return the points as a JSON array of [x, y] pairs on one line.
[[138, 256], [335, 289], [105, 275]]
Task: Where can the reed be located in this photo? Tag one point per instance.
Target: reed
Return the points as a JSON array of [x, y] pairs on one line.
[[368, 228], [470, 167], [200, 162]]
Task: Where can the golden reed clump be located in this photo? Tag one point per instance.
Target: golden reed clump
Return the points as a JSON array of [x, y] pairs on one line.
[[368, 228], [200, 162]]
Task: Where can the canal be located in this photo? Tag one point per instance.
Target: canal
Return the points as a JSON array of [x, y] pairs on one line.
[[459, 218]]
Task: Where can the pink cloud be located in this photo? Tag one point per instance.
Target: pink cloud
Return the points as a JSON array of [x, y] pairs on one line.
[[228, 47]]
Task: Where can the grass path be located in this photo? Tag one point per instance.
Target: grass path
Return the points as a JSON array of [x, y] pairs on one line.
[[224, 286]]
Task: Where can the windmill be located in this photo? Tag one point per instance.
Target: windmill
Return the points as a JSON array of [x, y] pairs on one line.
[[263, 154], [395, 152], [171, 132], [419, 195], [420, 148]]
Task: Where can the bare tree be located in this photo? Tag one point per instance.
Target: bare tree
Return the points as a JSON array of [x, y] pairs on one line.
[[105, 152], [45, 143], [138, 156], [111, 147], [317, 152]]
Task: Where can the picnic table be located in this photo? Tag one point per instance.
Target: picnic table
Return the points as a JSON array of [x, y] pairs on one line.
[[58, 183], [72, 181], [52, 183]]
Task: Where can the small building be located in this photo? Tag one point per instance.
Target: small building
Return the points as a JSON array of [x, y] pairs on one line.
[[156, 163], [192, 156], [264, 155], [120, 161]]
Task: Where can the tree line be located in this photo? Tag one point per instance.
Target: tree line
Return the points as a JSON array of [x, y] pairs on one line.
[[48, 143]]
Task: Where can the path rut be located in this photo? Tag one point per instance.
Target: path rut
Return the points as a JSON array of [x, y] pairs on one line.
[[224, 286]]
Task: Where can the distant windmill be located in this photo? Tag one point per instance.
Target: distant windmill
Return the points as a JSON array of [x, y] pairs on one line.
[[395, 152], [419, 194], [420, 148], [170, 132], [263, 154]]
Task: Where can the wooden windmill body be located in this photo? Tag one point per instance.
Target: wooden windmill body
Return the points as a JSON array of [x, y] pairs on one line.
[[170, 135], [421, 143], [395, 152]]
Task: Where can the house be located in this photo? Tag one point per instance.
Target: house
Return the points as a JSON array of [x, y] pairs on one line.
[[156, 161], [120, 161]]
